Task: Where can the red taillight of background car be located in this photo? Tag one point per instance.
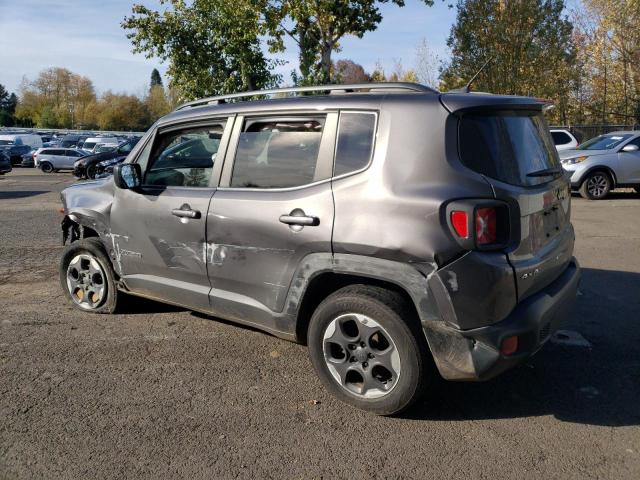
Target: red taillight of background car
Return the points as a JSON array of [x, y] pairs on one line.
[[460, 222], [486, 226]]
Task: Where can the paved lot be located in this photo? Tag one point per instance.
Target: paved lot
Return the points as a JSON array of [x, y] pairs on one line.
[[160, 392]]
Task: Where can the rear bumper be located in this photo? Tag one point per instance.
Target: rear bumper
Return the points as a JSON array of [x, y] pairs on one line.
[[474, 354]]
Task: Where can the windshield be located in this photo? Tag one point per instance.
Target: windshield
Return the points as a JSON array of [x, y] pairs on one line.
[[604, 142], [508, 146]]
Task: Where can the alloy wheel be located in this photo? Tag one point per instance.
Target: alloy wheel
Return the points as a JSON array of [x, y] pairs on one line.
[[86, 281], [361, 355], [597, 185]]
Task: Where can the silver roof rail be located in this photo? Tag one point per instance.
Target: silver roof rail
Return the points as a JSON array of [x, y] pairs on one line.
[[332, 89]]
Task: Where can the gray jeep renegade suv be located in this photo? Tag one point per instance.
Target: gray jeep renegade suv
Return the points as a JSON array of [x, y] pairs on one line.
[[401, 233]]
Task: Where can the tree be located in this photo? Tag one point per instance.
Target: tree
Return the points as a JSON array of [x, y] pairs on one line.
[[56, 98], [157, 103], [347, 71], [528, 42], [122, 112], [156, 79], [318, 27], [609, 56], [399, 74], [212, 46], [427, 63], [8, 104]]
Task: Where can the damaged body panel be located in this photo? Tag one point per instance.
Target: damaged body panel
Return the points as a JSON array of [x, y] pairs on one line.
[[256, 211]]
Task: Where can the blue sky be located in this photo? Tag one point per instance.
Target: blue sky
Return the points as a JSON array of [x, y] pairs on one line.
[[85, 37]]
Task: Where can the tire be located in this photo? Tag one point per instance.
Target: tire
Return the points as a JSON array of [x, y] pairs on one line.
[[46, 167], [88, 258], [91, 172], [596, 185], [344, 363]]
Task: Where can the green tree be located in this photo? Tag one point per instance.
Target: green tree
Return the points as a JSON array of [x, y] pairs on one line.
[[156, 79], [529, 43], [8, 103], [318, 27], [211, 46]]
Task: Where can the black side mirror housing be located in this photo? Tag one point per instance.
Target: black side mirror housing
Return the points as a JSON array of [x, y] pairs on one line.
[[127, 175]]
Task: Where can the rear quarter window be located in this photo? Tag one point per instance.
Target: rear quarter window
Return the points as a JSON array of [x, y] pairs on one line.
[[507, 146], [356, 134]]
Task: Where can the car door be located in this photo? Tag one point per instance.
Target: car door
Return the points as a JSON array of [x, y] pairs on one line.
[[158, 230], [274, 206], [629, 164], [70, 158]]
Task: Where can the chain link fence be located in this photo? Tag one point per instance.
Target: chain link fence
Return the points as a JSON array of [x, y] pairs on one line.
[[585, 132]]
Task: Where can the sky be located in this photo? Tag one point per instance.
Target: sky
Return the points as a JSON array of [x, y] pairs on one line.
[[85, 36]]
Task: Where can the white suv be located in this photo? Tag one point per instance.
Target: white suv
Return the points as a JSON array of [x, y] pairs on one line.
[[563, 139]]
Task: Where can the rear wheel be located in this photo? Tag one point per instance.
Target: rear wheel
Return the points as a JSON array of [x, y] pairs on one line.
[[368, 349], [46, 167], [596, 186], [91, 172], [87, 277]]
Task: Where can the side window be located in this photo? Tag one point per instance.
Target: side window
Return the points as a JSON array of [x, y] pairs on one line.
[[184, 158], [277, 152], [126, 148], [635, 141], [356, 135], [560, 138]]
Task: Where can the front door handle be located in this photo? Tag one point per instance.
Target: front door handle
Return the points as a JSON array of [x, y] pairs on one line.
[[185, 211]]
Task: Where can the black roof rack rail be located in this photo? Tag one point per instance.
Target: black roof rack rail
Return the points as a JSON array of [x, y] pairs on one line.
[[332, 89]]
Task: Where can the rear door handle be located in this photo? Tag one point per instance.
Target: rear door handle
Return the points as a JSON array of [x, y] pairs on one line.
[[185, 211], [301, 220]]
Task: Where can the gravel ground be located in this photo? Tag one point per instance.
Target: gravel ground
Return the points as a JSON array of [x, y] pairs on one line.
[[161, 392]]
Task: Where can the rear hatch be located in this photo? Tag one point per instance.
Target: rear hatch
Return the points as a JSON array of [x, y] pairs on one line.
[[512, 148]]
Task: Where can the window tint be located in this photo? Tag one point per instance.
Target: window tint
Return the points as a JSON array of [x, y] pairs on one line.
[[355, 141], [507, 146], [126, 148], [89, 145], [560, 138], [184, 157], [53, 152], [277, 153], [635, 141]]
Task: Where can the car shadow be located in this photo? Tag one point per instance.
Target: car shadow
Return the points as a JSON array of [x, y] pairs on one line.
[[21, 194], [596, 385], [614, 195]]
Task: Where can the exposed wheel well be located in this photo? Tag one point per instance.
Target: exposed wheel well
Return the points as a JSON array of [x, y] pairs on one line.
[[324, 284], [72, 231]]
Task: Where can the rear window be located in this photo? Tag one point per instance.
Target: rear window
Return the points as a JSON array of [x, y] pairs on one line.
[[507, 146]]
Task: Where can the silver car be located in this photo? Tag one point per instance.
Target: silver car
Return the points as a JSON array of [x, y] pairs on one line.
[[604, 163], [51, 159]]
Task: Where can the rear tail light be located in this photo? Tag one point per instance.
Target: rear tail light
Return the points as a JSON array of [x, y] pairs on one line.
[[479, 224], [509, 345], [486, 225], [460, 222]]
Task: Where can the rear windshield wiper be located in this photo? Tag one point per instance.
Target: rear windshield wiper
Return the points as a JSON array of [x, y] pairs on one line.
[[546, 172]]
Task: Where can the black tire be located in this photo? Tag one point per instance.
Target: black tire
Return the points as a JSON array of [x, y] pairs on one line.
[[46, 167], [391, 312], [596, 185], [91, 172], [90, 247]]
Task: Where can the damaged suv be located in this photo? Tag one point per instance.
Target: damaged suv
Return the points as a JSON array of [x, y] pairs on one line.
[[400, 232]]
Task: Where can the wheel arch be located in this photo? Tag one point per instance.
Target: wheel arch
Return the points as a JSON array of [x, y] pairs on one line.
[[600, 168], [322, 274]]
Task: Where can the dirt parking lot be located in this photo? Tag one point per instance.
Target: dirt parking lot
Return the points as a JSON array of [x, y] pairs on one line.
[[160, 392]]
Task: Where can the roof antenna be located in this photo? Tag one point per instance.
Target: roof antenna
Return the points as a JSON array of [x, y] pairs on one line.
[[467, 87]]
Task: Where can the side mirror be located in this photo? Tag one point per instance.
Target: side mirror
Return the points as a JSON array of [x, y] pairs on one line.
[[127, 175], [630, 148]]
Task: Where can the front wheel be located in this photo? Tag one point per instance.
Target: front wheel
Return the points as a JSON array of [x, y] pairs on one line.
[[91, 172], [368, 349], [596, 186], [87, 277], [46, 167]]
